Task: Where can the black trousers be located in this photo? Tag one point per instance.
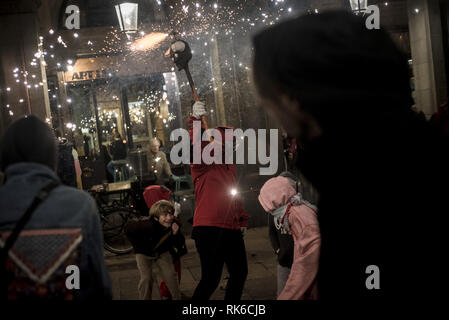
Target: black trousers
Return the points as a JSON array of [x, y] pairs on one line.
[[216, 247]]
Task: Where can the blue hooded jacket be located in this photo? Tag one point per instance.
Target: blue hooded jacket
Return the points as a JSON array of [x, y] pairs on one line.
[[65, 208]]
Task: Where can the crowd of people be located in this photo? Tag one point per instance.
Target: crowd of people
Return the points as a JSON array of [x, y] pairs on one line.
[[368, 189]]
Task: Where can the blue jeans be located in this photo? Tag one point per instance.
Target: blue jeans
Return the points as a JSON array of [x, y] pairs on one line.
[[113, 164], [110, 168]]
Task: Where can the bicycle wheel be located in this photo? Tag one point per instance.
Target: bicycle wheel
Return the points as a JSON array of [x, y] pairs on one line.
[[113, 223]]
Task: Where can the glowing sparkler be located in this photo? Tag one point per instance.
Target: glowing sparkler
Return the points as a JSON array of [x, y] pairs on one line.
[[149, 42]]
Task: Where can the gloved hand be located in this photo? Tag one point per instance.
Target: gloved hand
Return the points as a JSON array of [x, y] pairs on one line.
[[243, 230], [199, 109], [175, 228]]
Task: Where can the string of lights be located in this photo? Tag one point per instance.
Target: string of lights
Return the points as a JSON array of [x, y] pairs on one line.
[[199, 22]]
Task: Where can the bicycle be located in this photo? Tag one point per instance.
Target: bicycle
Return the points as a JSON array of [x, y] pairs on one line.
[[115, 214]]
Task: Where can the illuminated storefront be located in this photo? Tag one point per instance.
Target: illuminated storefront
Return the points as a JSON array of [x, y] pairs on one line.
[[104, 85], [81, 73], [145, 97]]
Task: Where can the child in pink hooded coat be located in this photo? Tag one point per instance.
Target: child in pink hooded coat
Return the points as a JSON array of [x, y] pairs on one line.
[[295, 215]]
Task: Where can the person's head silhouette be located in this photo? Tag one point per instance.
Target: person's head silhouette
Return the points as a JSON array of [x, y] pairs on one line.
[[28, 139]]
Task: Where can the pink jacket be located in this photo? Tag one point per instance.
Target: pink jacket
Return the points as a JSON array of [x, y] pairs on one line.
[[301, 283]]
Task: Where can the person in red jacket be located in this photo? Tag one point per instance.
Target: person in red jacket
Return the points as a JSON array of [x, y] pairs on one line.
[[219, 221]]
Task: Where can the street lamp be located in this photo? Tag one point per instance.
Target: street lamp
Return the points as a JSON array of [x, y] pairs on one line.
[[358, 5], [127, 16]]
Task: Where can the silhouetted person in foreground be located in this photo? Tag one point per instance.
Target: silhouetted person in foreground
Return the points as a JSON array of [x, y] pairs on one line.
[[381, 171], [61, 243]]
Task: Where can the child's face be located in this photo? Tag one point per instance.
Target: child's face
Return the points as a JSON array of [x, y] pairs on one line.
[[166, 219]]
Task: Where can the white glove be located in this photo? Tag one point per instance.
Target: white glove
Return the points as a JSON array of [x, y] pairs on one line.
[[243, 230], [199, 109]]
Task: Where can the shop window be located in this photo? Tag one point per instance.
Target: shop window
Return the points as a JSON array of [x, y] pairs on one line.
[[148, 108], [83, 123], [110, 113]]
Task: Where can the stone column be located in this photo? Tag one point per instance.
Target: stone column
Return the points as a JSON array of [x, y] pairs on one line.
[[444, 7], [218, 88], [427, 54]]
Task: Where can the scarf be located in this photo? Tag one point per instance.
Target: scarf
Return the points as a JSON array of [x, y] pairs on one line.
[[281, 214]]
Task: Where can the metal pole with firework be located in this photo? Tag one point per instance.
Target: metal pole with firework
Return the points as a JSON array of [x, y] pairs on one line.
[[181, 54]]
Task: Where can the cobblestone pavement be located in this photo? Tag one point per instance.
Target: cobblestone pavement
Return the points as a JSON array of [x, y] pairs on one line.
[[260, 283]]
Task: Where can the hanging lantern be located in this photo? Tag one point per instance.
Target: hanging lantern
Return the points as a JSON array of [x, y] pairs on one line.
[[127, 16], [358, 5]]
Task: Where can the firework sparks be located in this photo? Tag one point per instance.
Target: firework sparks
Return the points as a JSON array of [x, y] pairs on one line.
[[149, 42]]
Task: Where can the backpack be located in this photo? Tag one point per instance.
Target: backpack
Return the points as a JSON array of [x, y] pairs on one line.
[[34, 262]]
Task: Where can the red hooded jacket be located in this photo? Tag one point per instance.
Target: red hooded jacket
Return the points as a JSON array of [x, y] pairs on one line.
[[153, 194], [215, 204]]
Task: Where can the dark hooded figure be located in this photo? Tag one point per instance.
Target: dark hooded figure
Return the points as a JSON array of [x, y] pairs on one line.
[[63, 231], [29, 140], [343, 91], [65, 167]]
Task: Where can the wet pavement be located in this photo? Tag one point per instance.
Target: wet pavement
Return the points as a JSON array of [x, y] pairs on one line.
[[260, 283]]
